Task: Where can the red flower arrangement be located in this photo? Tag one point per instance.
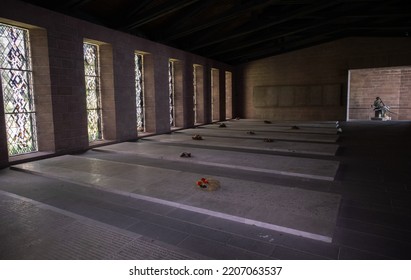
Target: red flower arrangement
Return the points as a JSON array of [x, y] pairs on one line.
[[208, 184], [202, 183]]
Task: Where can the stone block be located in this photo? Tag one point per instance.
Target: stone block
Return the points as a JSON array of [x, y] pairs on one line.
[[286, 96], [300, 96], [332, 95], [315, 95], [265, 97]]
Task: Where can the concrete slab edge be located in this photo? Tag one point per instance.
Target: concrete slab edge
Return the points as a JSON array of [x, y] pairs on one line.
[[256, 169], [245, 148], [324, 238]]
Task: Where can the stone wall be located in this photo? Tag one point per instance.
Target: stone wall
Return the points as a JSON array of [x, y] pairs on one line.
[[313, 69], [271, 102], [58, 70]]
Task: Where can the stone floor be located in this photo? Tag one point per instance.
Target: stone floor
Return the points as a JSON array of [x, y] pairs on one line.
[[115, 202]]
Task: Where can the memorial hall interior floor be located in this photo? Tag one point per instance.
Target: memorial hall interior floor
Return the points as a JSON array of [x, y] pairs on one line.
[[289, 190]]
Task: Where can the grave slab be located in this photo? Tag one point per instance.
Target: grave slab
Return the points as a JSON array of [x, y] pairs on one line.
[[309, 148], [261, 126], [287, 136], [292, 166], [315, 124], [295, 211]]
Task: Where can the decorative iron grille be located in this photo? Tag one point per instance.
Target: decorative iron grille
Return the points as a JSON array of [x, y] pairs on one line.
[[140, 105], [93, 96], [171, 91], [18, 97]]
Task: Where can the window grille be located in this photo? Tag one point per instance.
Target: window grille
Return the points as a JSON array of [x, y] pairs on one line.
[[171, 91], [17, 87], [93, 93], [139, 84]]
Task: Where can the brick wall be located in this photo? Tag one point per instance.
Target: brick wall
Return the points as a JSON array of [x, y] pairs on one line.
[[318, 66], [391, 84], [405, 95]]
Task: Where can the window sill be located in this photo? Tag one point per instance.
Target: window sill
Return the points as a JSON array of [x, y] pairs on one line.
[[29, 157], [100, 143]]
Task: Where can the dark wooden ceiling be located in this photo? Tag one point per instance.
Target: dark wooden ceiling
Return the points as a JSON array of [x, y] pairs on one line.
[[237, 31]]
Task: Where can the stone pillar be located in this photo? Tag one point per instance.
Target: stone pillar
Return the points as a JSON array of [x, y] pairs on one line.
[[42, 90], [188, 100], [207, 94], [222, 95], [124, 93], [200, 104], [68, 87], [228, 95], [215, 94], [179, 93], [162, 109], [107, 92], [149, 93]]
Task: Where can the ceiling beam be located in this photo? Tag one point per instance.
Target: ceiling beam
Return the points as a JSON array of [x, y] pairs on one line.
[[140, 5], [160, 12], [182, 20], [301, 12], [233, 13], [266, 39], [383, 16], [335, 21], [283, 47], [244, 55], [72, 4]]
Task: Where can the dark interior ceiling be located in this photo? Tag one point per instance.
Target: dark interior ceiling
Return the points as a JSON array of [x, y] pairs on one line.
[[237, 31]]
